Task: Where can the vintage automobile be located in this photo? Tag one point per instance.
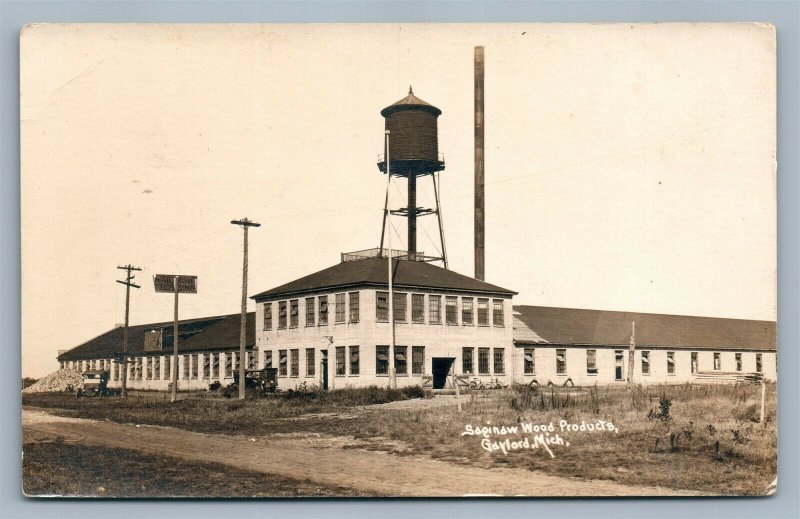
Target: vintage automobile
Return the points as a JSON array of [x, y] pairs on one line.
[[95, 383], [265, 379]]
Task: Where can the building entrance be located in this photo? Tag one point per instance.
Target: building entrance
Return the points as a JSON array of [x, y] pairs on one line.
[[441, 367], [324, 367]]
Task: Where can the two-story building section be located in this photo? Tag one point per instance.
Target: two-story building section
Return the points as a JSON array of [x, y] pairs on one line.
[[332, 328]]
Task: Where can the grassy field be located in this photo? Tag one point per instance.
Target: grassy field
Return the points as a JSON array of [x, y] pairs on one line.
[[54, 467], [686, 437]]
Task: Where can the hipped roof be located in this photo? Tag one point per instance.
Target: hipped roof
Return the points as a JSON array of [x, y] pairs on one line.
[[375, 272], [207, 333], [572, 326]]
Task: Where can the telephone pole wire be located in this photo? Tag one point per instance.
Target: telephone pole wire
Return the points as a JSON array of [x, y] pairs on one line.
[[245, 224], [128, 284]]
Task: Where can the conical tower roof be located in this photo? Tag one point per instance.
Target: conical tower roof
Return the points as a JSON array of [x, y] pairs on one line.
[[410, 102]]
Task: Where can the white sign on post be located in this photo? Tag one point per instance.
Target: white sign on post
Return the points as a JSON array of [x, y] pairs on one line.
[[166, 283]]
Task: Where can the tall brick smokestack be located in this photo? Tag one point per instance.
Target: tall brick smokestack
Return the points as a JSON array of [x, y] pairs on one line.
[[480, 266]]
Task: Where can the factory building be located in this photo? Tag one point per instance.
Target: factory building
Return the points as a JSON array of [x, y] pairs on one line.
[[208, 350], [332, 327], [353, 324]]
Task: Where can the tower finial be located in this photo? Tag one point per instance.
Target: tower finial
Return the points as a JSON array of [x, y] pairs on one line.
[[410, 90]]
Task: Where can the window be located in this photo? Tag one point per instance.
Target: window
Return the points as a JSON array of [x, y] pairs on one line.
[[310, 362], [340, 365], [186, 367], [340, 309], [381, 360], [116, 371], [467, 365], [483, 312], [323, 311], [645, 362], [738, 361], [417, 360], [251, 360], [670, 363], [138, 368], [294, 311], [591, 362], [467, 312], [311, 312], [167, 372], [206, 366], [483, 361], [400, 360], [268, 359], [561, 362], [759, 366], [382, 306], [235, 357], [499, 360], [434, 309], [194, 366], [451, 310], [354, 304], [294, 358], [282, 368], [418, 308], [693, 365], [717, 361], [267, 316], [497, 312], [228, 364], [400, 303], [282, 315], [149, 368], [529, 364], [215, 365], [354, 364]]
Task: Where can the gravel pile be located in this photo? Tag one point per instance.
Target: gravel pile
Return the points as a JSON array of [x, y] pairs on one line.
[[58, 381]]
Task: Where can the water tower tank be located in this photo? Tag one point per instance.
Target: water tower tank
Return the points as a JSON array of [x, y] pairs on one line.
[[413, 137]]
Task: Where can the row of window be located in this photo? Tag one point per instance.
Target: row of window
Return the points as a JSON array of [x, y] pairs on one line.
[[529, 365], [497, 356], [348, 361], [195, 366], [485, 315], [316, 311]]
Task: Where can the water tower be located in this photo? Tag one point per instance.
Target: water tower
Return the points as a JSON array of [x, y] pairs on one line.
[[411, 150]]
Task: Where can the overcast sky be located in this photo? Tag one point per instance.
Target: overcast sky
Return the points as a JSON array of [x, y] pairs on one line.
[[628, 167]]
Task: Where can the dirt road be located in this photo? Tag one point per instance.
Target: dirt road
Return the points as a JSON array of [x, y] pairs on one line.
[[327, 462]]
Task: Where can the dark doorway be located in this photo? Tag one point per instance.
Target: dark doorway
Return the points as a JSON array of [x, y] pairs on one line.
[[619, 359], [441, 368], [324, 368]]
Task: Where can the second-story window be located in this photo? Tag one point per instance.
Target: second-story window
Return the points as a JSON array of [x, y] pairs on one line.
[[340, 310], [282, 315], [354, 310], [466, 311], [435, 309], [451, 310], [311, 312], [267, 316], [400, 303], [323, 310], [483, 312], [497, 312], [418, 308], [382, 306], [294, 311]]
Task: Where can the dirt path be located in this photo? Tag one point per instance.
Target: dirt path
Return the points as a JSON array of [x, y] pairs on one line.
[[369, 471]]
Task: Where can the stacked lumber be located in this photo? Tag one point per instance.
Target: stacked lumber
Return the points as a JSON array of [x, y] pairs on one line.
[[58, 381], [726, 377]]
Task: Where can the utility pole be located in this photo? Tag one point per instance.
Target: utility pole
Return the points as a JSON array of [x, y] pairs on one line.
[[245, 224], [128, 284], [631, 350], [392, 374]]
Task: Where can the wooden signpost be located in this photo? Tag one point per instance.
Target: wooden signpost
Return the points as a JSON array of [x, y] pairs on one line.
[[176, 284]]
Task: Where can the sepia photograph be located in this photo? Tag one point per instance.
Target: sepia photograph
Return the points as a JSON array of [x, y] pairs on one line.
[[398, 260]]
